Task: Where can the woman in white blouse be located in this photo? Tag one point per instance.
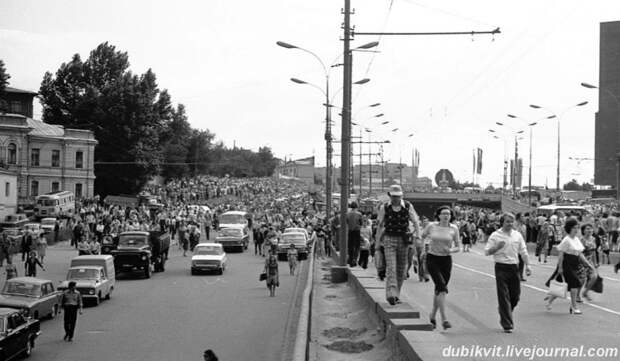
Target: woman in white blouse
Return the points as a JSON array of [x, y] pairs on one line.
[[569, 259]]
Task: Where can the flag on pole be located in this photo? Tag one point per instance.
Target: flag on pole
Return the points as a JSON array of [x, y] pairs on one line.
[[479, 170], [474, 163]]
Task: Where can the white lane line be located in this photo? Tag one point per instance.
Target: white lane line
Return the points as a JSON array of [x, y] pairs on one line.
[[536, 288], [549, 266]]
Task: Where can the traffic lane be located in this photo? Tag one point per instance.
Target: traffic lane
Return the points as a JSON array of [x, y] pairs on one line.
[[176, 316], [607, 301], [472, 310]]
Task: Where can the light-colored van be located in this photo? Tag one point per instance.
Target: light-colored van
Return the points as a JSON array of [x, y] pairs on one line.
[[94, 276]]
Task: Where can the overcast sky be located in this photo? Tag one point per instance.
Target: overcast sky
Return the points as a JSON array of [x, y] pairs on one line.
[[220, 59]]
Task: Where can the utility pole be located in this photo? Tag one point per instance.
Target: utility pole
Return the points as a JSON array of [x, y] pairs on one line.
[[345, 153], [557, 178], [361, 162], [516, 168], [328, 152], [529, 176]]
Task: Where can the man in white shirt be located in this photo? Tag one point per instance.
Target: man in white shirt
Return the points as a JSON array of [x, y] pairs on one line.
[[505, 245]]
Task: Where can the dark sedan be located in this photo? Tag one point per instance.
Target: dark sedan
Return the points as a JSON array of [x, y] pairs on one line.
[[17, 334]]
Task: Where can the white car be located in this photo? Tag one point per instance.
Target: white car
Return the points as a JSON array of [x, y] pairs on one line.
[[209, 257], [295, 230], [34, 228], [48, 224]]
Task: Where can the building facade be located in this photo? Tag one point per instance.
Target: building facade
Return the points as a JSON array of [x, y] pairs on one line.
[[8, 193], [45, 157], [300, 169], [607, 121]]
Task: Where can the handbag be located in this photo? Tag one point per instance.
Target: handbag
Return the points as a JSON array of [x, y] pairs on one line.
[[598, 285], [262, 276], [558, 288]]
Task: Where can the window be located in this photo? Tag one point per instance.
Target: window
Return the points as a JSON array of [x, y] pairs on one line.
[[78, 190], [12, 154], [55, 158], [34, 157], [79, 159], [7, 189], [34, 188], [55, 186], [16, 107]]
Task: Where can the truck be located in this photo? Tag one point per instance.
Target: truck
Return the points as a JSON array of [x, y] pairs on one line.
[[141, 251]]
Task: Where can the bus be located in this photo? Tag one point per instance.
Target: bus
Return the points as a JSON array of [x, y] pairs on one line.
[[55, 204]]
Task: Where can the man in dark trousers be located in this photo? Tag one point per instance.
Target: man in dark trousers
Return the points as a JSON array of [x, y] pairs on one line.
[[505, 245], [354, 224], [72, 304]]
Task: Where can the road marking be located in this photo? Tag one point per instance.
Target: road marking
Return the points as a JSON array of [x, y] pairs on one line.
[[549, 266], [536, 289]]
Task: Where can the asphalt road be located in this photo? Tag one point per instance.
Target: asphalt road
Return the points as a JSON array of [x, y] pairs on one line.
[[176, 316], [472, 308]]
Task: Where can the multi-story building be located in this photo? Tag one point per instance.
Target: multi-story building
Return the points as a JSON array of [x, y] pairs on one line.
[[607, 123], [45, 157], [8, 193]]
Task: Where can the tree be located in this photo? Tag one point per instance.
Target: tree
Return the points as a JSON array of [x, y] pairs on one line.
[[127, 112], [175, 144], [4, 82], [572, 186]]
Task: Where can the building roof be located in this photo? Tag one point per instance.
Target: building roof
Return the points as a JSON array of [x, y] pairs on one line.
[[43, 129], [9, 89]]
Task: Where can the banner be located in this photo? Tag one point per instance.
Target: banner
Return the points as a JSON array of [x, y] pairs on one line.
[[474, 162], [479, 170]]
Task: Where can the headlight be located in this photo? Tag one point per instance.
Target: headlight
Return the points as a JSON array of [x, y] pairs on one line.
[[144, 258], [92, 292]]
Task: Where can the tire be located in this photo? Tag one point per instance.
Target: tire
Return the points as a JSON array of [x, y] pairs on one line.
[[220, 271], [109, 295], [147, 271], [162, 267], [36, 315], [193, 273]]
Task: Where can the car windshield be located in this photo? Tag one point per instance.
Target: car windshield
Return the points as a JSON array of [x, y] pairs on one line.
[[11, 231], [131, 241], [16, 288], [46, 221], [83, 274], [230, 232], [208, 251], [232, 219], [47, 202]]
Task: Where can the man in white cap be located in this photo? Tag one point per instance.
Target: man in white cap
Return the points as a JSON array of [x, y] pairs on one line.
[[398, 225]]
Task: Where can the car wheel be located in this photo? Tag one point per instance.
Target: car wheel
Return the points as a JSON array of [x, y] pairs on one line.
[[147, 271], [35, 315], [109, 295], [193, 273], [162, 267], [28, 350], [220, 271]]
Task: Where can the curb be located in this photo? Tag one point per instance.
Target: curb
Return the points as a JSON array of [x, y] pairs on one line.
[[393, 320], [301, 351]]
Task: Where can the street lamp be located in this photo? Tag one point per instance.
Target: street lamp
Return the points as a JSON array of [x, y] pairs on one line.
[[558, 116], [516, 159]]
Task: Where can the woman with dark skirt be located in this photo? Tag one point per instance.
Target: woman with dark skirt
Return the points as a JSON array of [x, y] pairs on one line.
[[570, 258], [444, 240]]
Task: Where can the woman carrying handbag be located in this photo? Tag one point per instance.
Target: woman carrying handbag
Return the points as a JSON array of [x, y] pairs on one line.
[[570, 256]]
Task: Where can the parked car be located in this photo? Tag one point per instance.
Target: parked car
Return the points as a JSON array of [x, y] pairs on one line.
[[17, 334], [233, 237], [48, 224], [296, 238], [14, 221], [36, 296], [90, 281], [14, 237], [209, 257]]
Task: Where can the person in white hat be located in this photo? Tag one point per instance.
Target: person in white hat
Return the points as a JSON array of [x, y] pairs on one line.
[[398, 224]]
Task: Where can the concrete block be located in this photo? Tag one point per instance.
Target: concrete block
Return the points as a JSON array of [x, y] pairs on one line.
[[411, 324], [403, 310]]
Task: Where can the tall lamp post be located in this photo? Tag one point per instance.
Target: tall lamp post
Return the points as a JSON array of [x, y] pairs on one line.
[[531, 125], [515, 133], [558, 116], [617, 155]]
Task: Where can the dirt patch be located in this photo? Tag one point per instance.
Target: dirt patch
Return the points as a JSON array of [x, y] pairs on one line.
[[330, 297], [343, 332], [349, 346]]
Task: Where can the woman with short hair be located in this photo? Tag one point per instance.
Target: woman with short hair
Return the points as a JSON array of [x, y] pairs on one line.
[[569, 259]]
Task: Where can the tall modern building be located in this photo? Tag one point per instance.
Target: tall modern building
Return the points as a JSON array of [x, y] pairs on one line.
[[607, 122]]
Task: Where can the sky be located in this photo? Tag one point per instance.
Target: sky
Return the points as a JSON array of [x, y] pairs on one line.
[[220, 59]]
